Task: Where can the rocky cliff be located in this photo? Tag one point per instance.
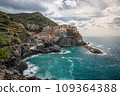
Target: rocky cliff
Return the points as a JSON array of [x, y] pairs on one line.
[[13, 67], [70, 40], [67, 42]]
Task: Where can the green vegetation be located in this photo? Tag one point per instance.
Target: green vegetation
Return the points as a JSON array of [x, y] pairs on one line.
[[12, 32], [4, 18], [5, 40], [3, 54], [32, 18]]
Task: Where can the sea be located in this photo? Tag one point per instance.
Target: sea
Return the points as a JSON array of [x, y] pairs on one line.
[[77, 63]]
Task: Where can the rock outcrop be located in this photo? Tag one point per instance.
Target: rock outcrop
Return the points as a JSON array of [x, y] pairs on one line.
[[11, 75], [68, 41], [54, 48], [14, 75], [12, 68], [93, 50]]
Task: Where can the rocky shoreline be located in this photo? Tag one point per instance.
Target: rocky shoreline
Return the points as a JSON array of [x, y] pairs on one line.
[[12, 69]]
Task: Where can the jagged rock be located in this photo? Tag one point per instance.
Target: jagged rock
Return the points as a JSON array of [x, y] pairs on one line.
[[93, 50], [48, 44], [97, 51], [68, 42], [11, 75], [14, 75], [41, 46], [55, 48], [22, 66], [26, 53]]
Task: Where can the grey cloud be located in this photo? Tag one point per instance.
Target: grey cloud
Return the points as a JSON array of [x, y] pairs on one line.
[[73, 24], [117, 21], [23, 5], [81, 25]]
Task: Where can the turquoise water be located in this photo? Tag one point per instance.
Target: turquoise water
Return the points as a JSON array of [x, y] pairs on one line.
[[77, 63]]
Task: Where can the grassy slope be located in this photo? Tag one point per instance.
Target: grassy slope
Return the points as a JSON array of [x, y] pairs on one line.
[[11, 32], [32, 18]]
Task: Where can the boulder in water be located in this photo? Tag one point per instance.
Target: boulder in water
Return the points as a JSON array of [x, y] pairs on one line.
[[93, 50]]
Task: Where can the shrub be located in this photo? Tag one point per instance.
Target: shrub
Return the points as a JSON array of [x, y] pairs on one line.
[[5, 40], [16, 40], [3, 54]]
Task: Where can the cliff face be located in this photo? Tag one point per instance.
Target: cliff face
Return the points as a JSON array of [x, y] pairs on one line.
[[62, 35], [67, 42], [70, 40]]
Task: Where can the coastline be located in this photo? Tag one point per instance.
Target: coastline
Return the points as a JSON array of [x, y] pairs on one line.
[[21, 53], [12, 69], [64, 52], [16, 64]]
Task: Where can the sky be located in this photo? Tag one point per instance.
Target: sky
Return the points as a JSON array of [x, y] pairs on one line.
[[91, 17]]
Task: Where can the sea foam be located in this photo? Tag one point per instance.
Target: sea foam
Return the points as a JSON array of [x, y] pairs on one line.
[[30, 57], [65, 52], [31, 71]]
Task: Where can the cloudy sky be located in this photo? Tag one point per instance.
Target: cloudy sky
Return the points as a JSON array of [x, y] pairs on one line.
[[91, 17]]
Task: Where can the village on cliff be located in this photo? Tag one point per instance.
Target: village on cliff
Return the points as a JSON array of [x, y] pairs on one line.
[[53, 33]]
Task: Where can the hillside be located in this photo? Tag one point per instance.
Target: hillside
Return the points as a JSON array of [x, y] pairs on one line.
[[33, 21], [15, 45], [11, 32]]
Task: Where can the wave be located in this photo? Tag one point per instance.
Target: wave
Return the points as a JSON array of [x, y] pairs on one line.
[[75, 58], [65, 52], [108, 49], [100, 46], [72, 58], [104, 53], [90, 43], [62, 57], [46, 76], [62, 52], [31, 71], [95, 45], [30, 57], [54, 53], [71, 68]]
